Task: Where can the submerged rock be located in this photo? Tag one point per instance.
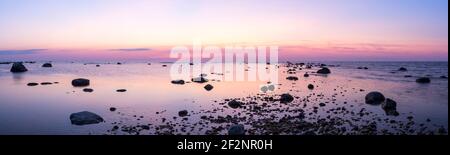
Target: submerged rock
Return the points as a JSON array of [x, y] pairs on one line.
[[324, 70], [121, 90], [374, 98], [32, 84], [234, 104], [85, 118], [403, 69], [181, 82], [208, 87], [47, 65], [183, 113], [112, 109], [306, 75], [18, 67], [286, 98], [81, 82], [292, 78], [423, 80], [46, 83], [310, 86], [88, 90], [237, 129]]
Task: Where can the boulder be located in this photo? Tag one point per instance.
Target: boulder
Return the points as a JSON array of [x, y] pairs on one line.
[[310, 86], [208, 87], [18, 67], [237, 129], [423, 80], [47, 65], [183, 113], [112, 109], [286, 98], [389, 104], [403, 69], [324, 70], [88, 90], [121, 90], [32, 84], [200, 79], [374, 98], [234, 104], [306, 75], [181, 82], [85, 118], [292, 78], [81, 82]]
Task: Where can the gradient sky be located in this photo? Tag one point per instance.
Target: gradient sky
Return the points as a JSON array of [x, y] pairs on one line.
[[303, 29]]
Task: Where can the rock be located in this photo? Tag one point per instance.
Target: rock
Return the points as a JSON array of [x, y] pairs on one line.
[[408, 76], [366, 68], [181, 82], [112, 109], [121, 90], [97, 65], [322, 104], [374, 98], [119, 63], [324, 70], [286, 98], [18, 67], [264, 89], [84, 118], [423, 80], [237, 129], [47, 65], [389, 104], [443, 77], [403, 69], [183, 113], [208, 87], [234, 104], [80, 82], [306, 75], [46, 83], [310, 86], [32, 84], [271, 87], [88, 90], [292, 78], [200, 79], [164, 65]]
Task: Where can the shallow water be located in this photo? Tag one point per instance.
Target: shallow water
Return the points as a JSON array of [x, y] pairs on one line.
[[150, 97]]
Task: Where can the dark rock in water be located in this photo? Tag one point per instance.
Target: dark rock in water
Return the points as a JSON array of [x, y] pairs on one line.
[[310, 86], [389, 104], [403, 69], [47, 65], [208, 87], [80, 82], [199, 79], [237, 129], [286, 98], [306, 75], [322, 104], [32, 84], [164, 65], [407, 76], [119, 63], [178, 82], [88, 90], [18, 67], [375, 98], [264, 89], [234, 104], [366, 68], [423, 80], [46, 83], [271, 87], [183, 113], [292, 78], [121, 90], [97, 65], [324, 70], [84, 118], [443, 77], [112, 109], [390, 107]]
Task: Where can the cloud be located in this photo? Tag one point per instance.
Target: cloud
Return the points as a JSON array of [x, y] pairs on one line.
[[21, 52], [132, 49]]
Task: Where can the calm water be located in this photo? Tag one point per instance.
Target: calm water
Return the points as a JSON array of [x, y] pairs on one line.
[[150, 96]]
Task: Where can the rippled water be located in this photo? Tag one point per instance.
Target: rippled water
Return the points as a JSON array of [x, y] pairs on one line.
[[150, 96]]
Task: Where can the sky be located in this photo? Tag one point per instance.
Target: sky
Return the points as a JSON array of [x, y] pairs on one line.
[[303, 29]]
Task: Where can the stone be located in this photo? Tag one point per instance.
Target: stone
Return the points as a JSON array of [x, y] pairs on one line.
[[374, 98], [88, 90], [310, 86], [235, 104], [180, 82], [18, 67], [403, 69], [81, 82], [183, 113], [121, 90], [237, 129], [324, 70], [423, 80], [208, 87], [85, 118], [32, 84], [286, 98], [292, 78], [112, 109], [47, 65]]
